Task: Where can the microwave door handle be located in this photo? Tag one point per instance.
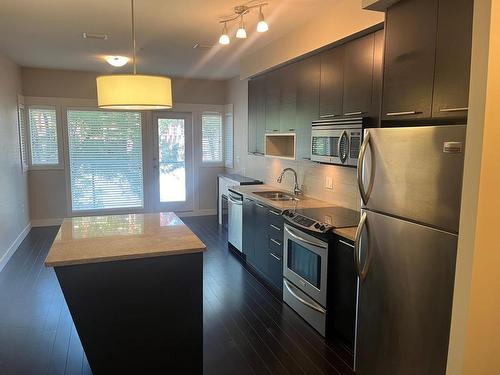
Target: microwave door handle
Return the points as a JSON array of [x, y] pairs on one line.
[[362, 272], [306, 241], [365, 194], [302, 300]]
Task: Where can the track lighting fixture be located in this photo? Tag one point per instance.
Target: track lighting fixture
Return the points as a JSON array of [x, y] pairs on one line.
[[239, 12]]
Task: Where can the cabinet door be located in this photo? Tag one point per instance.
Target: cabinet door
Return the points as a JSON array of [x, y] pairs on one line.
[[248, 235], [411, 27], [358, 76], [273, 101], [332, 82], [378, 53], [453, 56], [288, 98], [261, 239], [308, 81], [256, 114]]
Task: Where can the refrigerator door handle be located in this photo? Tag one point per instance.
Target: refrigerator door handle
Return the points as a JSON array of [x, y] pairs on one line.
[[362, 272], [365, 194]]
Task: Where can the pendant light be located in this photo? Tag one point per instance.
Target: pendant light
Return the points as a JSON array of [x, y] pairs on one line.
[[262, 26], [224, 38], [241, 33], [134, 91]]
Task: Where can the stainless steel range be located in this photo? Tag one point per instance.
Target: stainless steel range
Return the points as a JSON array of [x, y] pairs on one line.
[[307, 241]]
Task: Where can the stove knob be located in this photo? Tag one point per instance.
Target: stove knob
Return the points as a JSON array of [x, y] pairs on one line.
[[316, 225], [322, 228]]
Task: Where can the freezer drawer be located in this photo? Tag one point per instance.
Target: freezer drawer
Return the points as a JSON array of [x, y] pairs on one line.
[[415, 173], [405, 300]]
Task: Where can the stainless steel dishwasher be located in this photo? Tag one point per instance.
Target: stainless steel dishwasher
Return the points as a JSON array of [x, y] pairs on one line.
[[235, 218]]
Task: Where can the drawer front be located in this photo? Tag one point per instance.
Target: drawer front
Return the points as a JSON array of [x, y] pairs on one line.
[[275, 231], [274, 217], [276, 246]]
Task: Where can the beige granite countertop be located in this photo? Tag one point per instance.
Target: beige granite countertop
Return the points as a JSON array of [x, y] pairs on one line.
[[303, 202], [95, 239]]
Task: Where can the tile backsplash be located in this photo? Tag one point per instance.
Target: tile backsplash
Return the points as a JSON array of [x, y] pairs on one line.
[[312, 179]]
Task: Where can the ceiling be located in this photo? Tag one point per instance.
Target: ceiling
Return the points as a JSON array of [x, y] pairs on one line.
[[48, 33]]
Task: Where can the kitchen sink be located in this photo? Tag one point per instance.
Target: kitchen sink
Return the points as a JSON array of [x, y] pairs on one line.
[[276, 195]]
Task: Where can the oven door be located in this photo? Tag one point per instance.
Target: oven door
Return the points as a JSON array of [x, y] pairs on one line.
[[330, 146], [305, 262]]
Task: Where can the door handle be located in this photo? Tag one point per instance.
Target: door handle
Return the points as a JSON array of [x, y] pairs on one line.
[[462, 109], [362, 272], [365, 194], [404, 113], [303, 240], [302, 300], [353, 113]]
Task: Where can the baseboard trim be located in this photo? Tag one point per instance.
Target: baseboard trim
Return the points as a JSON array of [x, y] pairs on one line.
[[46, 222], [14, 246]]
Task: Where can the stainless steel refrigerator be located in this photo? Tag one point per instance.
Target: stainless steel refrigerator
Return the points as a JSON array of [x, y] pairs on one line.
[[410, 180]]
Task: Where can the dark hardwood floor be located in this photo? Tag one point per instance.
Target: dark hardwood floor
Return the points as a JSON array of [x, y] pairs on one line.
[[247, 330]]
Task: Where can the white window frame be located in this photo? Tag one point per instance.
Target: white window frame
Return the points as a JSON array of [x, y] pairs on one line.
[[60, 164], [217, 163], [23, 151], [69, 195], [229, 113]]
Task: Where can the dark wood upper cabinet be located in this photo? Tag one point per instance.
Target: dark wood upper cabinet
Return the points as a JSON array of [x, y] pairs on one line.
[[288, 97], [410, 45], [453, 56], [256, 114], [332, 82], [358, 76], [308, 80], [378, 58], [273, 101]]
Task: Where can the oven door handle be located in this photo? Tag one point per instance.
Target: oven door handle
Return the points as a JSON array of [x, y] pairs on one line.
[[313, 306], [306, 241]]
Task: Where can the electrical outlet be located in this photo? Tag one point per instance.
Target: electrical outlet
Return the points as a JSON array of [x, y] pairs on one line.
[[328, 183], [328, 219]]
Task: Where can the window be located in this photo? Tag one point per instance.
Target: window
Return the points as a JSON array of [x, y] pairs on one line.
[[22, 137], [228, 140], [105, 157], [211, 129], [43, 136]]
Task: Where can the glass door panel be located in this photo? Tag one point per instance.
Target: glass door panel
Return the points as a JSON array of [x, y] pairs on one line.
[[173, 161]]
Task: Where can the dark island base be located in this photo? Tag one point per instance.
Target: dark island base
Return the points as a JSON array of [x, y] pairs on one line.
[[138, 316]]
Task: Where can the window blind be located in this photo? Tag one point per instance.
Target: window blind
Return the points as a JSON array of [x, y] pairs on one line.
[[211, 128], [22, 138], [105, 155], [43, 136], [228, 140]]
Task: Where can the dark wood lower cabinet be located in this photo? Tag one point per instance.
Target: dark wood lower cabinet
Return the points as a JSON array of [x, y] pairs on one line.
[[140, 316]]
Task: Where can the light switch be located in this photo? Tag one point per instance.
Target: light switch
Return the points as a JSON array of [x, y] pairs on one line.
[[328, 182]]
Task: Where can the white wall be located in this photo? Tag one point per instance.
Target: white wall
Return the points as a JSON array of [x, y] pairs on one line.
[[14, 217]]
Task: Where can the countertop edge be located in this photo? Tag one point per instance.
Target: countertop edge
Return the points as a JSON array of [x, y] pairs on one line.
[[117, 258]]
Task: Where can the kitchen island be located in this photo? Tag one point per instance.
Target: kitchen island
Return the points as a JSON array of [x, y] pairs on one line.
[[133, 284]]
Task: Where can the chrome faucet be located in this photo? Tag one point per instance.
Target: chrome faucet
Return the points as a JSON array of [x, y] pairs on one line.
[[296, 190]]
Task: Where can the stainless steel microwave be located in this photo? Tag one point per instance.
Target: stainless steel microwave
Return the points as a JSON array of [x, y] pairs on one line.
[[337, 141]]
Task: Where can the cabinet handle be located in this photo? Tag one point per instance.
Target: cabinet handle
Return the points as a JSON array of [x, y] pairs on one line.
[[275, 130], [275, 242], [327, 116], [275, 227], [346, 243], [260, 205], [407, 113], [353, 113], [291, 130], [275, 257], [461, 109], [275, 213]]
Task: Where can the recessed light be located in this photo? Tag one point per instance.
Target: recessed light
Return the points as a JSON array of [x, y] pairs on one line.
[[116, 60]]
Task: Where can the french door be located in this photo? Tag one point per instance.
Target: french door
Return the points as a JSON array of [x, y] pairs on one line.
[[173, 161]]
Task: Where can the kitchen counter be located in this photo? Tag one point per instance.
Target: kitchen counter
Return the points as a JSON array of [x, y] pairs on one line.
[[118, 237], [134, 287], [242, 180], [302, 203]]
